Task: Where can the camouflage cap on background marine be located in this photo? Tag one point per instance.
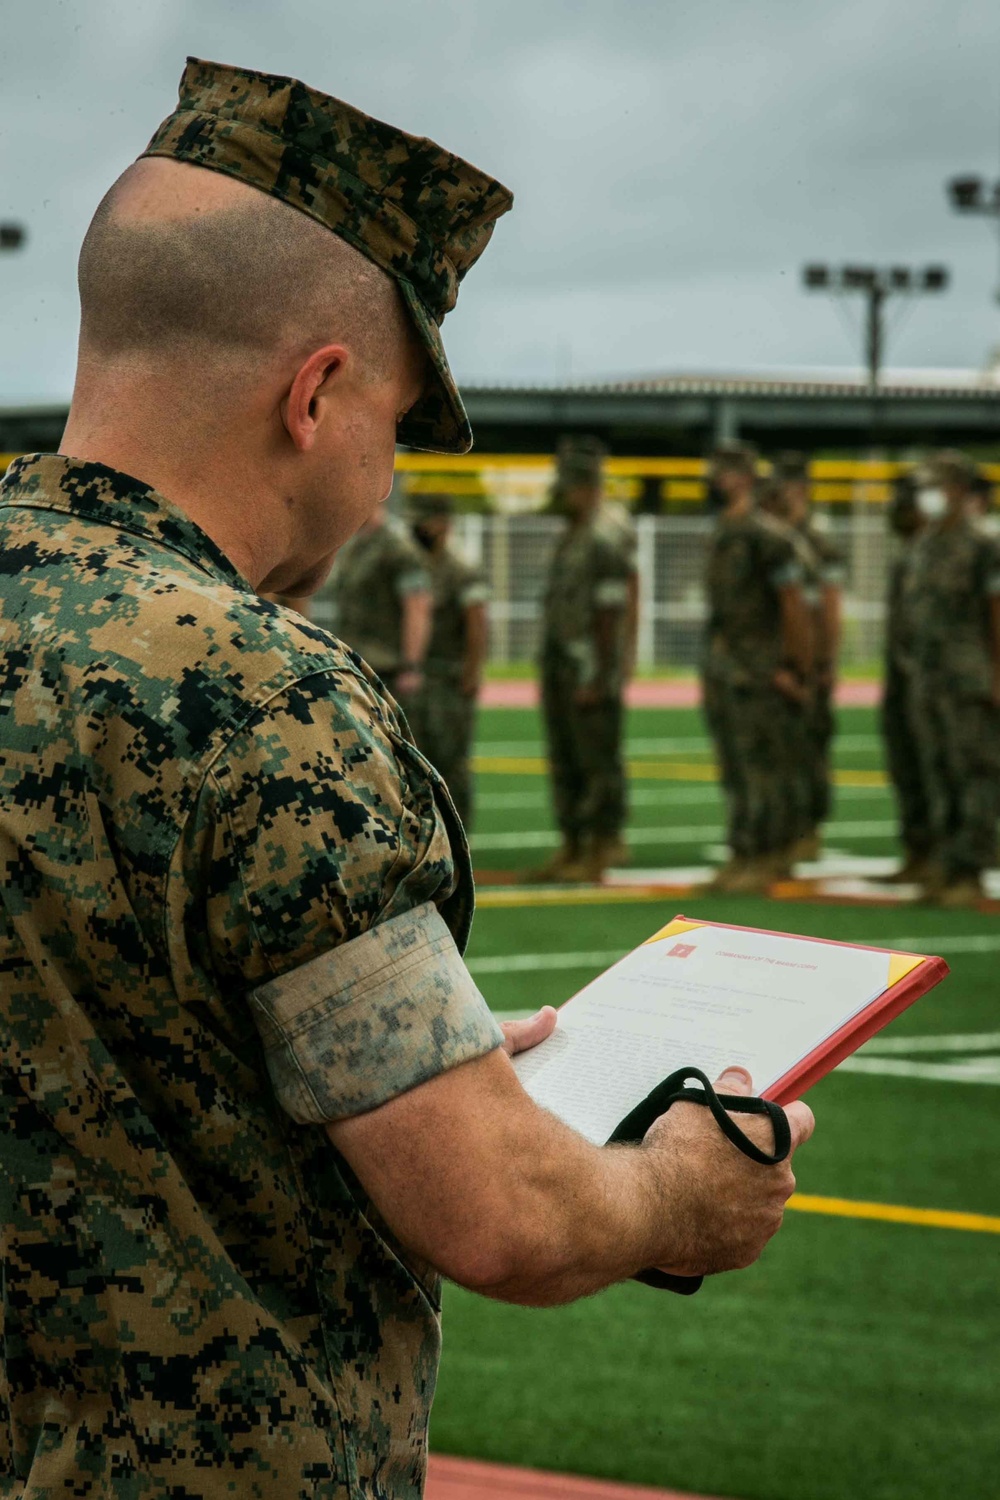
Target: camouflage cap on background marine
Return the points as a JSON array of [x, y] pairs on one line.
[[791, 467], [421, 507], [422, 214], [734, 455], [580, 459], [951, 466]]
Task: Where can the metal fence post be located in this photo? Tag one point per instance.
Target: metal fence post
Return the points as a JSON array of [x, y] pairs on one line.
[[645, 527]]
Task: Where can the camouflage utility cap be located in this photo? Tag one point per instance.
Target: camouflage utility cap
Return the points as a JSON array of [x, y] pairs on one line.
[[422, 214], [579, 460]]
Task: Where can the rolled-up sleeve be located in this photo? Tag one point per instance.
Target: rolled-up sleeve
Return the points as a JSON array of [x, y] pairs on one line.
[[372, 1018]]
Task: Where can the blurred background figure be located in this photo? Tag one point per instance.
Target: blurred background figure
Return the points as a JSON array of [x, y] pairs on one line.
[[380, 589], [981, 496], [443, 711], [953, 594], [900, 731], [756, 665], [823, 591], [586, 652]]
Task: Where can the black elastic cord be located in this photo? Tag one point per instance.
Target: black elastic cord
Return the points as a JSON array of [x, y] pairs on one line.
[[635, 1125]]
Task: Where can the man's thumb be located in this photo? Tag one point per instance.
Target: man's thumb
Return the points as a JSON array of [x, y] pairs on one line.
[[734, 1081]]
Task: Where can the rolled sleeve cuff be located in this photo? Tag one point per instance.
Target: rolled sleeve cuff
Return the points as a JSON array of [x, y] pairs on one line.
[[371, 1019]]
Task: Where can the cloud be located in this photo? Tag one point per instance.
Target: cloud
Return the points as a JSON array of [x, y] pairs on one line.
[[673, 165]]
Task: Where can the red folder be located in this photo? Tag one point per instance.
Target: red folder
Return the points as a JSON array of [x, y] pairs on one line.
[[918, 974]]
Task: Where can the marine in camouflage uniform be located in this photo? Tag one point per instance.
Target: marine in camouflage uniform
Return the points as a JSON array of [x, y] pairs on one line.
[[380, 590], [754, 672], [220, 852], [584, 654], [824, 582], [443, 714], [898, 714], [955, 608]]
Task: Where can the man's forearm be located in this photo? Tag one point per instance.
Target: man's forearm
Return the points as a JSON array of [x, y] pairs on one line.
[[607, 627], [415, 632], [831, 626], [477, 641], [796, 630], [472, 1176]]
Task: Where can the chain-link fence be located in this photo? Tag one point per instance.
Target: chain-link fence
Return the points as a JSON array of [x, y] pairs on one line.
[[514, 552]]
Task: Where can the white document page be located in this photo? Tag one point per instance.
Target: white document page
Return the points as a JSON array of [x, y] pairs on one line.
[[707, 997]]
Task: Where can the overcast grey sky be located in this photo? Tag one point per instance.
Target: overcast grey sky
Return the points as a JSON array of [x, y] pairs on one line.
[[673, 164]]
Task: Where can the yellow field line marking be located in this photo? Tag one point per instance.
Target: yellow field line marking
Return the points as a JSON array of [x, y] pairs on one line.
[[648, 770], [507, 896], [895, 1213]]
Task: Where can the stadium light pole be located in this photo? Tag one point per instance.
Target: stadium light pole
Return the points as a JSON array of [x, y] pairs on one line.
[[973, 195], [876, 284]]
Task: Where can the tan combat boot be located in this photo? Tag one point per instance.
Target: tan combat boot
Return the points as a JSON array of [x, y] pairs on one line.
[[594, 859], [808, 848], [553, 870], [965, 891], [916, 869]]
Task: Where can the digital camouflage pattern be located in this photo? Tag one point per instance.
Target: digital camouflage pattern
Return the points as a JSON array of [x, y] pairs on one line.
[[370, 578], [825, 572], [898, 713], [954, 578], [422, 214], [584, 742], [230, 901], [759, 735], [442, 716], [588, 573]]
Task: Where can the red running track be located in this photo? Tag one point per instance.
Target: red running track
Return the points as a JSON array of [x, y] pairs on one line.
[[658, 692], [467, 1479]]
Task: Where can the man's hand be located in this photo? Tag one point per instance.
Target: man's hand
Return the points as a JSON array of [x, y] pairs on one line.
[[789, 685], [723, 1207], [589, 697], [409, 683], [519, 1036], [470, 683]]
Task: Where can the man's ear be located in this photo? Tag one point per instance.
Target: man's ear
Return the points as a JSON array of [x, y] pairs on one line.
[[302, 408]]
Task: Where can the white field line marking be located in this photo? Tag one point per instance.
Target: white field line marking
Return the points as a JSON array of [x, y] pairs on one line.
[[969, 1041], [642, 796], [685, 834], [528, 963], [984, 943], [964, 1070]]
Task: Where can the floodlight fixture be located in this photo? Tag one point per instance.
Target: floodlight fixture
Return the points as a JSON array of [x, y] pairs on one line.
[[12, 236], [877, 284], [975, 195]]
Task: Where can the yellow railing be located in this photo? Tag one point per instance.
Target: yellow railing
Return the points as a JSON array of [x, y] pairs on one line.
[[525, 477], [521, 475]]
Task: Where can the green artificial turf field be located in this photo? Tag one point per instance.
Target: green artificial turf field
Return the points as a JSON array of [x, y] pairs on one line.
[[858, 1359]]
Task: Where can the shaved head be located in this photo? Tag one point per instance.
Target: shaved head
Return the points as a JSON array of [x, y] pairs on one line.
[[180, 262]]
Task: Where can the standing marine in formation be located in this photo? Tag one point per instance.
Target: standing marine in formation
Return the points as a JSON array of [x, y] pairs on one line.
[[900, 729], [955, 582], [755, 675], [823, 591], [443, 712], [380, 588], [585, 654]]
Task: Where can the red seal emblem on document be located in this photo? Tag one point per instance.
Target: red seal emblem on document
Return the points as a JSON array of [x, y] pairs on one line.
[[681, 950]]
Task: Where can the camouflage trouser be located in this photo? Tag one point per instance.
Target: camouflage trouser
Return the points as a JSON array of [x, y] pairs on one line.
[[585, 755], [442, 722], [904, 764], [820, 726], [959, 743], [759, 739]]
